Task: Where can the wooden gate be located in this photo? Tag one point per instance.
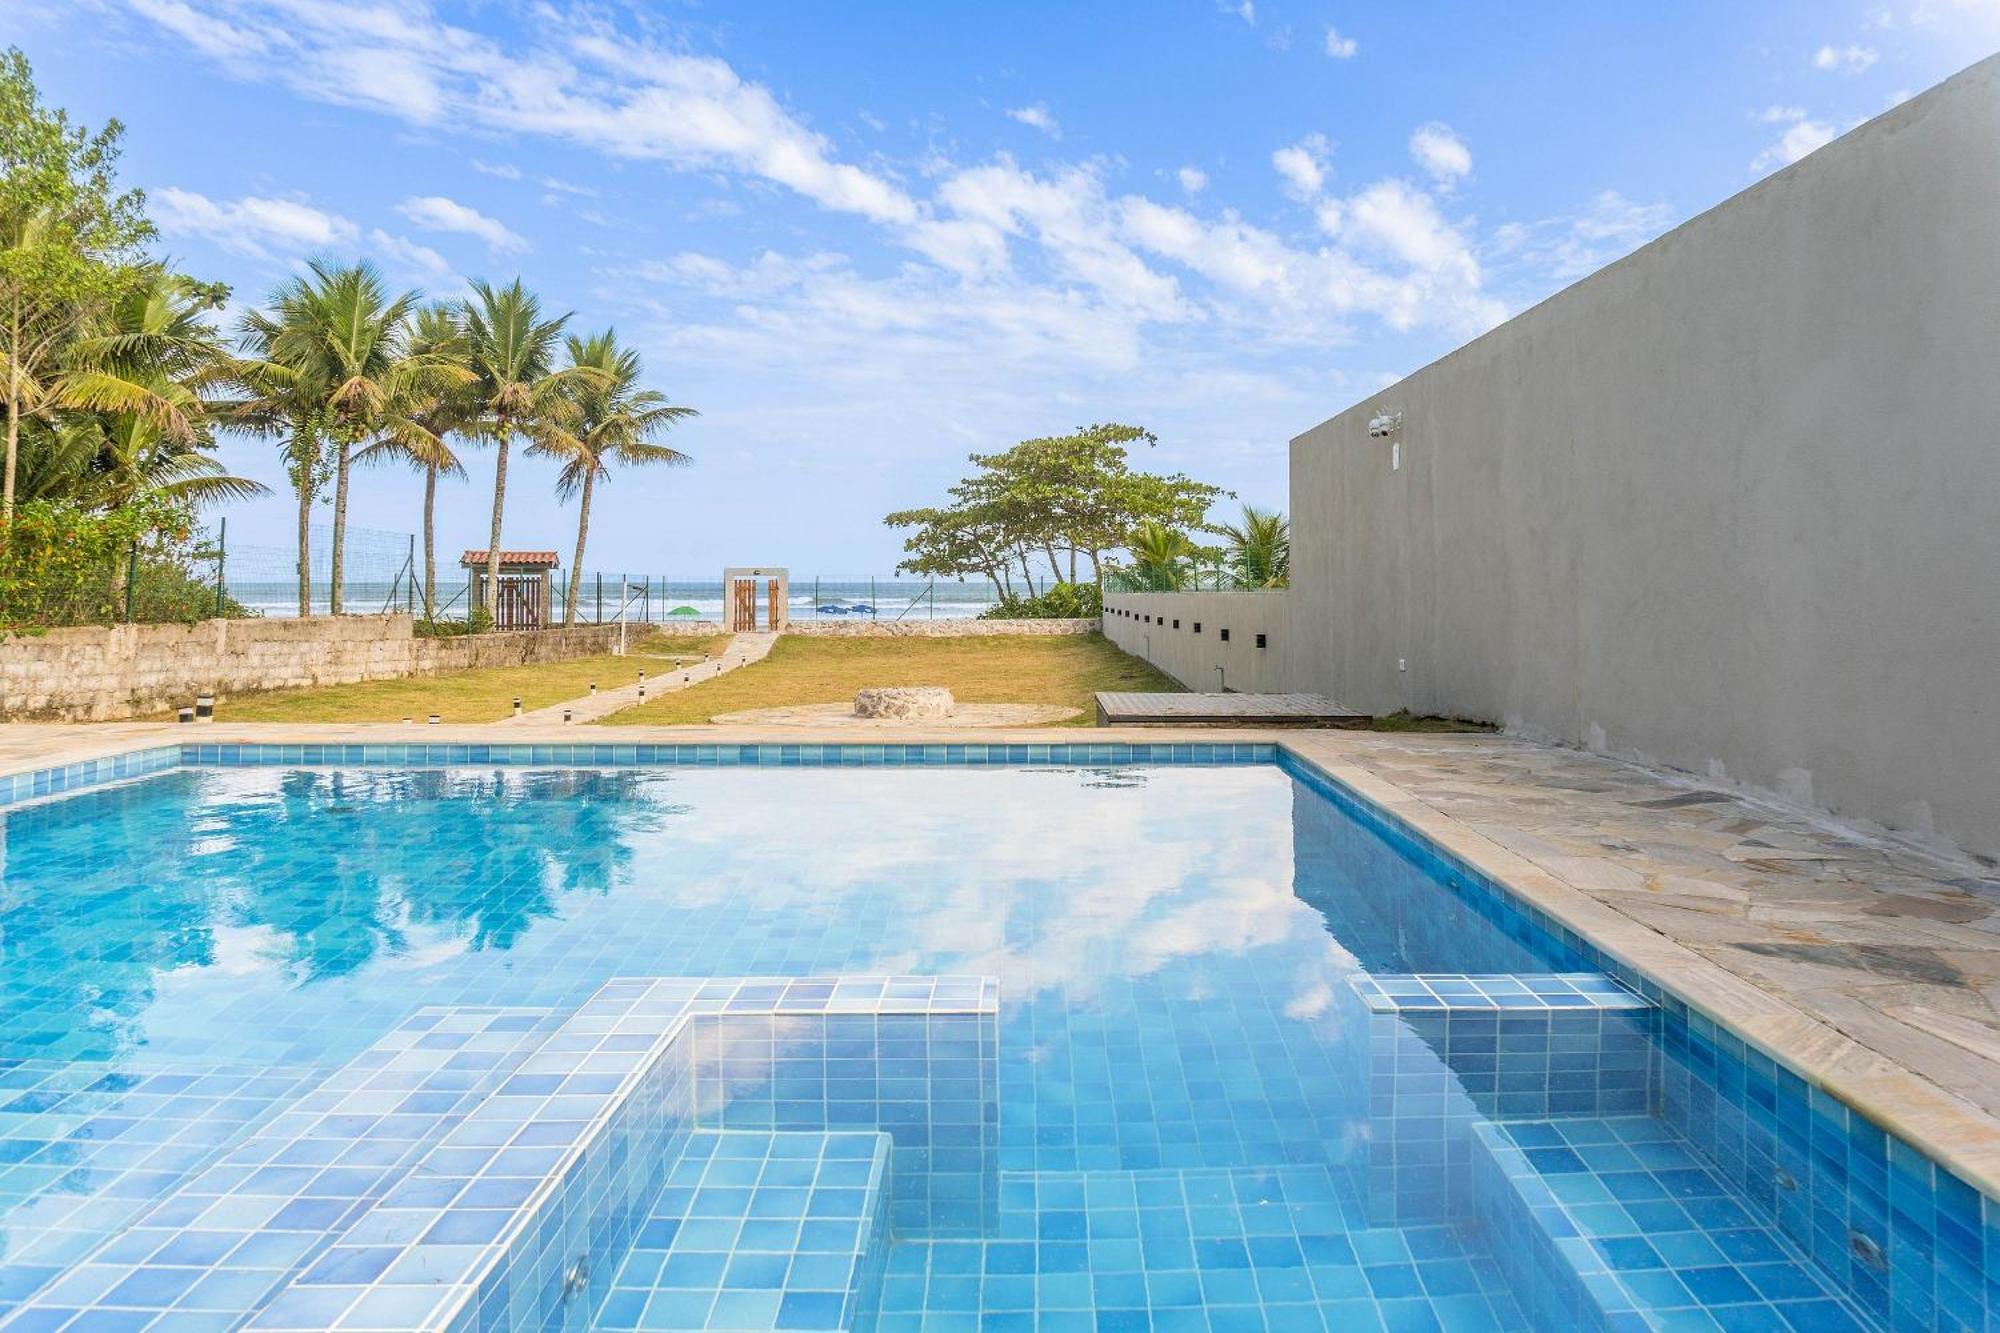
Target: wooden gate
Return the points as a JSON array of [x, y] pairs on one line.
[[519, 605]]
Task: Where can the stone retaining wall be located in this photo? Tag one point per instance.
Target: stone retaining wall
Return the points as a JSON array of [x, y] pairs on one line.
[[937, 629], [100, 673]]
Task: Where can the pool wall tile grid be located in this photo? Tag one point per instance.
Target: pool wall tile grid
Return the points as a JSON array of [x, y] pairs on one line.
[[755, 1230], [93, 1147], [224, 1241], [841, 755], [1273, 1248], [42, 782], [561, 1230], [1615, 1223], [36, 783], [929, 1081], [551, 1161], [1447, 1052], [1934, 1214], [1917, 1245]]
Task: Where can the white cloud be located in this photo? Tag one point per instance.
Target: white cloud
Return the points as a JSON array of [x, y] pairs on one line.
[[584, 83], [1303, 165], [1038, 116], [434, 212], [505, 171], [1851, 59], [1067, 214], [1437, 148], [254, 225], [1243, 9], [1339, 47], [1568, 247], [408, 253], [1037, 262], [1802, 135]]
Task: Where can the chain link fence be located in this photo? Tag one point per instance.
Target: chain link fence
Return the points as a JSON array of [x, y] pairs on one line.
[[384, 571]]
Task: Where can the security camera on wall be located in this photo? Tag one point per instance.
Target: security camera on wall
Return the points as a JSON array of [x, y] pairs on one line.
[[1384, 424]]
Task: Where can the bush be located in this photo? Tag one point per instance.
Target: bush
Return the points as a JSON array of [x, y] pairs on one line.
[[1062, 601], [62, 564], [445, 629]]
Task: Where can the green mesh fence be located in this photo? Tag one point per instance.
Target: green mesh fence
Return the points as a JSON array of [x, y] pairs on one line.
[[380, 571]]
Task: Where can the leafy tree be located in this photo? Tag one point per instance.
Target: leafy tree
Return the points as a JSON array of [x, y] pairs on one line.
[[68, 240], [1258, 551], [1059, 498], [511, 351], [610, 420]]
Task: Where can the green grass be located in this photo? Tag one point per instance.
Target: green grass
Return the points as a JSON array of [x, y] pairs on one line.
[[1065, 670], [482, 695]]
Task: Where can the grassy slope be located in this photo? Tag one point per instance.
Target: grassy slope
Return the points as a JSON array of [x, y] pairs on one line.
[[1066, 670], [483, 695]]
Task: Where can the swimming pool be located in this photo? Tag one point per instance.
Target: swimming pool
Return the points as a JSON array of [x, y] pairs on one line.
[[1167, 1037]]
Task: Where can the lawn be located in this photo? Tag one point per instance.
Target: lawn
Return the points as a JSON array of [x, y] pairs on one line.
[[1066, 669], [482, 695]]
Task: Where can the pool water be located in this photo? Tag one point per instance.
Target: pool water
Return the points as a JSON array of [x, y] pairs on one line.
[[1204, 1115]]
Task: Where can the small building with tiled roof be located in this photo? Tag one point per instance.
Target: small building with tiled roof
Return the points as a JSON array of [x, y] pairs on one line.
[[522, 599]]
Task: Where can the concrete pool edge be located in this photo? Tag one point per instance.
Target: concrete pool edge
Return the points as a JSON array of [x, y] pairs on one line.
[[1949, 1129]]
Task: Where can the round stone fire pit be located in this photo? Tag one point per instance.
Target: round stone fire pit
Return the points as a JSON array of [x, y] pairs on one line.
[[916, 701]]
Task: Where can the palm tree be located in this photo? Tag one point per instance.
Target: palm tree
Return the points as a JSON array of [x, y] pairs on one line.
[[341, 335], [142, 391], [511, 352], [611, 420], [1258, 552], [1160, 558], [437, 406], [281, 402]]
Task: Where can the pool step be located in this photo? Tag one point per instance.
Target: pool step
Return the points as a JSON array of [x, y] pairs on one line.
[[1617, 1224], [243, 1227], [757, 1230], [1446, 1052], [1265, 1247]]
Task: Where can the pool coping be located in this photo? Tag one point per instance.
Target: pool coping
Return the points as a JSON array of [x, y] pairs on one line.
[[1948, 1128]]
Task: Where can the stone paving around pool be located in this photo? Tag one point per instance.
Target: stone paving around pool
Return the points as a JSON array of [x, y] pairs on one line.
[[1893, 947]]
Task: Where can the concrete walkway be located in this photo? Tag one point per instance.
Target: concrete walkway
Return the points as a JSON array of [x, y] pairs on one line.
[[743, 649]]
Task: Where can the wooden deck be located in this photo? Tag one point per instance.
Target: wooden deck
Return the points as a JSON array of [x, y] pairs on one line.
[[1225, 710]]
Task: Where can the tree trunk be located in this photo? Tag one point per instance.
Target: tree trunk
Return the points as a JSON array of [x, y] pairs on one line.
[[13, 414], [499, 507], [13, 452], [339, 575], [430, 542], [305, 542], [582, 529]]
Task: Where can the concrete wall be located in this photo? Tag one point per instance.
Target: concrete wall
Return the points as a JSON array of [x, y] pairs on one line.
[[1181, 633], [1731, 504], [95, 674]]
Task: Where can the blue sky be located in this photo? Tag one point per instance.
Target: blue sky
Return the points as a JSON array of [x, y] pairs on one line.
[[867, 239]]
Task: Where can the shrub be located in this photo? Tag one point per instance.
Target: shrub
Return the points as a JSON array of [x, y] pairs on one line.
[[444, 629], [62, 564], [1062, 601]]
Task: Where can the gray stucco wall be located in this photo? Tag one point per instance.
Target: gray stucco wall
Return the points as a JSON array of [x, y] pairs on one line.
[[1184, 636], [1731, 504]]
